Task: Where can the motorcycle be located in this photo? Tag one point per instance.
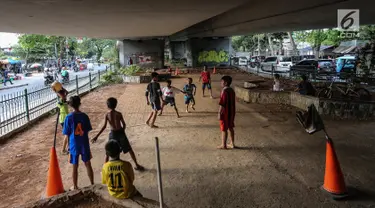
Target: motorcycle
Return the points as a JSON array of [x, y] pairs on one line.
[[48, 79], [65, 77]]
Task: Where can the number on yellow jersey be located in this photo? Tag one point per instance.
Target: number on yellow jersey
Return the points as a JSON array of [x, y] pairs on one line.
[[79, 130], [116, 182]]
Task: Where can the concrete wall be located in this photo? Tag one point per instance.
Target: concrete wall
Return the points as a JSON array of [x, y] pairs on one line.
[[303, 101], [90, 194], [337, 109], [347, 110], [210, 52], [178, 49], [146, 53]]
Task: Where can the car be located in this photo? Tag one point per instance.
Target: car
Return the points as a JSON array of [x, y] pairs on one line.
[[346, 64], [242, 61], [256, 60], [276, 64], [90, 66], [314, 67]]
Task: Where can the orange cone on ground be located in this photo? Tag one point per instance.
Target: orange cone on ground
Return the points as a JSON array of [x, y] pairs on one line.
[[176, 72], [54, 181], [214, 72], [333, 179]]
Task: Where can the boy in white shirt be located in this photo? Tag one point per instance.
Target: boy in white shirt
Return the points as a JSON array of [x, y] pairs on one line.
[[169, 93]]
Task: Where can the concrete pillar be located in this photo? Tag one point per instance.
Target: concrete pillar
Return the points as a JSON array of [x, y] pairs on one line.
[[188, 53], [146, 53], [210, 51]]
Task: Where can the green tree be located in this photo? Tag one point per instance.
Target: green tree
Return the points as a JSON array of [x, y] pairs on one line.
[[314, 37], [100, 45], [243, 43], [2, 55], [293, 43]]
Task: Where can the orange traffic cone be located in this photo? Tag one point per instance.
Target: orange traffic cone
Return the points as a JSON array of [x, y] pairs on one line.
[[214, 72], [176, 72], [333, 179], [54, 181]]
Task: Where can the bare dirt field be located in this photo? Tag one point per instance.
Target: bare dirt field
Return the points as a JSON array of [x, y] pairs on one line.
[[277, 164]]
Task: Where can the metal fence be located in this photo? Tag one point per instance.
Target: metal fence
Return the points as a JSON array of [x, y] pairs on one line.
[[315, 75], [19, 108]]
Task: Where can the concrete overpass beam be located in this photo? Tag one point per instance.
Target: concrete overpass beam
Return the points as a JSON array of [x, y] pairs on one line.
[[146, 53]]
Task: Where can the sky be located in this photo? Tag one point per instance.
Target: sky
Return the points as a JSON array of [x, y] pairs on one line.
[[8, 39]]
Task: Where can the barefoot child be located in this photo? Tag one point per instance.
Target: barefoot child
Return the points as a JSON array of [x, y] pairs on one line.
[[77, 126], [206, 80], [62, 104], [118, 126], [168, 93], [153, 90], [117, 174], [190, 89], [227, 112]]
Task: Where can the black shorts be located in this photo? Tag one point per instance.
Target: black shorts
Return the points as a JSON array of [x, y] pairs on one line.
[[169, 100], [156, 105], [208, 85], [122, 139], [189, 99]]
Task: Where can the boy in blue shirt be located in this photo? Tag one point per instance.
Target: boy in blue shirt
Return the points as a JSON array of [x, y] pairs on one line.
[[76, 128], [189, 89]]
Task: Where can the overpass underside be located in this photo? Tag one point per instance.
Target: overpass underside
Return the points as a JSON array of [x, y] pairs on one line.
[[183, 23]]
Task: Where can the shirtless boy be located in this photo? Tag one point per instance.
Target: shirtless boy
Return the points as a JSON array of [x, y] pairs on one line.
[[118, 126]]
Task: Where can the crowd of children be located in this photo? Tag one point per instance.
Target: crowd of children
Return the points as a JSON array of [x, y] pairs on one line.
[[118, 174]]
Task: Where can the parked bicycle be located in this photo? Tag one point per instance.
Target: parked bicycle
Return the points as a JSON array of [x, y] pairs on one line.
[[348, 91]]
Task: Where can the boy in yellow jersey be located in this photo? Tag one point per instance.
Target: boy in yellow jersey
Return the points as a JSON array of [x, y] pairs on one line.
[[117, 174], [62, 104]]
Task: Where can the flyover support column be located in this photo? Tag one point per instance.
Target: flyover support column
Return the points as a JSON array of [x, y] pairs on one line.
[[146, 53], [209, 51]]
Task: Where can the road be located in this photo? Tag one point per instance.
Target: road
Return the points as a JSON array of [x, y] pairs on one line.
[[36, 81], [13, 102]]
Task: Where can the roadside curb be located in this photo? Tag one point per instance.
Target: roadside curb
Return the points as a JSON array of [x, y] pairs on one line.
[[4, 88]]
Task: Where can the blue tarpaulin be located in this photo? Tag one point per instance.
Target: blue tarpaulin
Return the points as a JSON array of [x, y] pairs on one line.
[[11, 61]]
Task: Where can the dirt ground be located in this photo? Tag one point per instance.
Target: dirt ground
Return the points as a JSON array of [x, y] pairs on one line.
[[277, 164]]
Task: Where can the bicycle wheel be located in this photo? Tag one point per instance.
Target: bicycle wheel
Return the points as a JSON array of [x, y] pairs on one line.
[[325, 93], [362, 94]]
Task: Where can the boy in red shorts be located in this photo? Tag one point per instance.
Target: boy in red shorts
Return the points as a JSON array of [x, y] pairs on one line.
[[227, 112], [206, 80]]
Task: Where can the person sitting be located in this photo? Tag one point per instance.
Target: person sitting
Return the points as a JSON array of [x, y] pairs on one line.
[[305, 87], [118, 174], [276, 83]]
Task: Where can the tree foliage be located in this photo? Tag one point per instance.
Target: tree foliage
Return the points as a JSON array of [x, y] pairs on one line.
[[38, 47]]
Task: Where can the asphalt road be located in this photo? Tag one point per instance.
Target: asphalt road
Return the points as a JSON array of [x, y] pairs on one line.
[[36, 81]]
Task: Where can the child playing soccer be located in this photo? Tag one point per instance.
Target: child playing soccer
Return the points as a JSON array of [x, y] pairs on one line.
[[227, 112], [190, 89], [118, 126], [117, 174], [206, 80], [77, 126], [168, 93], [153, 90], [62, 104]]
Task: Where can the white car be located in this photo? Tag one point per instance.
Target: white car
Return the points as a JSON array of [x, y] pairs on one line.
[[277, 64], [242, 61], [90, 66]]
